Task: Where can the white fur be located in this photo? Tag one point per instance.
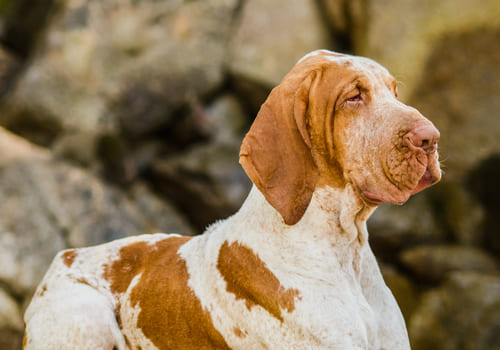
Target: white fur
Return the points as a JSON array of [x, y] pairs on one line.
[[343, 302]]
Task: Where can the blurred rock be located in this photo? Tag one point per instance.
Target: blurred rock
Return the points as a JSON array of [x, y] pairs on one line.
[[402, 288], [77, 147], [393, 228], [23, 23], [456, 102], [462, 314], [434, 263], [457, 213], [10, 315], [443, 213], [400, 35], [11, 323], [483, 183], [225, 121], [10, 66], [207, 181], [11, 339], [136, 77], [269, 40], [346, 17], [160, 216], [48, 205]]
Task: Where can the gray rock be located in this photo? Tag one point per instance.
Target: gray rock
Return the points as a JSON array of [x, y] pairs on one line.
[[461, 314], [48, 205], [159, 215], [402, 288], [226, 122], [348, 18], [445, 212], [154, 57], [11, 339], [76, 147], [11, 323], [434, 263], [393, 228], [483, 183], [413, 31], [207, 181], [456, 103], [10, 315], [9, 68], [272, 36]]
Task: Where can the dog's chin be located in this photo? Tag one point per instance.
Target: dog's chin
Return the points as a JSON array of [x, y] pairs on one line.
[[377, 198], [391, 193]]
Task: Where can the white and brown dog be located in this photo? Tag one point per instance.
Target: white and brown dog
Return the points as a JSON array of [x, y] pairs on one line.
[[292, 269]]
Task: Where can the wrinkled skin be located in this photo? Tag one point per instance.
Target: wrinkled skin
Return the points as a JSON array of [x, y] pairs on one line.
[[373, 143]]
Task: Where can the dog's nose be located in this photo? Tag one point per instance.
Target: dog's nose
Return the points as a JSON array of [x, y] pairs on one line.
[[423, 136]]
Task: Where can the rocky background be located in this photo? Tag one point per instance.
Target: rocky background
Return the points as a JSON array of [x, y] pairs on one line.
[[121, 117]]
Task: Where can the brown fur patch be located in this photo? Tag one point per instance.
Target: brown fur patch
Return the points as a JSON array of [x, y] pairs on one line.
[[239, 333], [248, 278], [69, 257], [171, 315], [42, 291]]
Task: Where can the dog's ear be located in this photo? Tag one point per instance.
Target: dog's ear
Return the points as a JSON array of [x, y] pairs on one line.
[[276, 152]]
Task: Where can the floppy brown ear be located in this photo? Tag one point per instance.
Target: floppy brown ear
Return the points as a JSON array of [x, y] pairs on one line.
[[276, 152]]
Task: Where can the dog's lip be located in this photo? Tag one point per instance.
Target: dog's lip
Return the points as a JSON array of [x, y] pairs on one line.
[[425, 181]]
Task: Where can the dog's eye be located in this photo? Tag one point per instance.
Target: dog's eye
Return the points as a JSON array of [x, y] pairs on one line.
[[354, 98]]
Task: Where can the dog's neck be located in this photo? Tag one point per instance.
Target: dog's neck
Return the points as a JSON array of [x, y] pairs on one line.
[[333, 225], [337, 214]]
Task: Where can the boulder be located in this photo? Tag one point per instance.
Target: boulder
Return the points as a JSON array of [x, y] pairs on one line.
[[443, 213], [434, 263], [450, 92], [402, 288], [10, 315], [206, 181], [11, 339], [154, 57], [401, 35], [347, 18], [464, 313], [483, 183], [271, 36], [11, 323], [48, 205], [393, 228]]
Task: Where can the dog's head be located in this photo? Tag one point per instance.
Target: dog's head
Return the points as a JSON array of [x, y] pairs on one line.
[[335, 119]]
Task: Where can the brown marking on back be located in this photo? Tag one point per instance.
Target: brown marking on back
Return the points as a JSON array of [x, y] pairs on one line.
[[249, 279], [69, 257], [25, 339], [171, 315]]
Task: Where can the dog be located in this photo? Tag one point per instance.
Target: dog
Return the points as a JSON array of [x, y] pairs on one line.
[[292, 269]]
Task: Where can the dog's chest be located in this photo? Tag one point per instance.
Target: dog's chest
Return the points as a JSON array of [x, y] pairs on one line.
[[256, 305], [237, 300]]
